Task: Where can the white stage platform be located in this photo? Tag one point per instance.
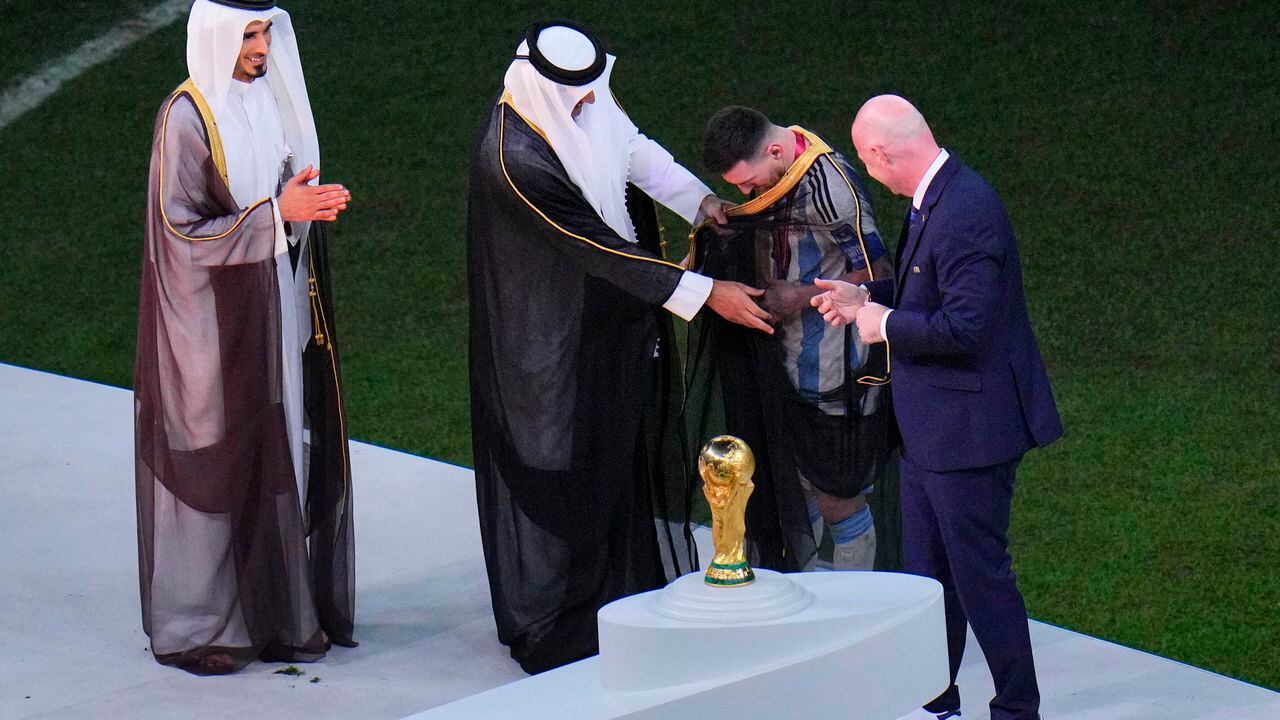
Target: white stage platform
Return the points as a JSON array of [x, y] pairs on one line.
[[71, 645]]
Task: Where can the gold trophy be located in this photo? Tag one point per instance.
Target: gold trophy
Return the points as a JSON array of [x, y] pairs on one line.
[[726, 465]]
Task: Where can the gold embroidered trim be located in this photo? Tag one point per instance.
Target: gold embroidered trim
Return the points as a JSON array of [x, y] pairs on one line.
[[511, 103], [502, 127], [324, 339], [210, 125], [189, 89], [816, 149], [871, 276]]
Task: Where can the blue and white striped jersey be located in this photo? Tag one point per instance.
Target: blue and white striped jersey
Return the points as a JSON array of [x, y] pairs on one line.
[[829, 230]]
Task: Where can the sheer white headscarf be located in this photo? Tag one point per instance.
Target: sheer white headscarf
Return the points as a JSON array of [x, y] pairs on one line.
[[215, 34], [595, 147]]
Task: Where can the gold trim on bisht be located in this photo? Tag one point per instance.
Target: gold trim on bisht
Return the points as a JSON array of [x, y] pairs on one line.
[[189, 89], [815, 150], [210, 125], [324, 341], [510, 102], [871, 276], [502, 130]]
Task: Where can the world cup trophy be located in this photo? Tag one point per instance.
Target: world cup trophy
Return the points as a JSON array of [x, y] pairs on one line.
[[726, 465]]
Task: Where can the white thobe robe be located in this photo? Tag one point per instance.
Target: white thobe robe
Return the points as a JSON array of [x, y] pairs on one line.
[[656, 172], [256, 151]]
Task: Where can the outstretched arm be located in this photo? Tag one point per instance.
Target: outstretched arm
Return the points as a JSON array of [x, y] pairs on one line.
[[655, 171], [587, 241]]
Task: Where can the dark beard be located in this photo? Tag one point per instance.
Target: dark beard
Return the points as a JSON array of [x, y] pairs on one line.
[[259, 72]]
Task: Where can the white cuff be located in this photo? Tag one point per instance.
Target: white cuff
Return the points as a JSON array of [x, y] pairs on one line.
[[884, 323], [282, 240], [690, 295]]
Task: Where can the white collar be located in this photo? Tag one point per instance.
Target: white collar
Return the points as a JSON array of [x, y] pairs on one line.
[[923, 187]]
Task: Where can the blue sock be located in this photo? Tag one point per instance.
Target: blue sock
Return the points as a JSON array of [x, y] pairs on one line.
[[852, 527]]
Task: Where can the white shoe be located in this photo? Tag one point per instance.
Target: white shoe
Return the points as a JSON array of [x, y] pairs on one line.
[[859, 554]]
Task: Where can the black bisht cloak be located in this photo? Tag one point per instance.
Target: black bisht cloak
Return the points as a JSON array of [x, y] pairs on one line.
[[209, 274], [736, 383], [574, 398]]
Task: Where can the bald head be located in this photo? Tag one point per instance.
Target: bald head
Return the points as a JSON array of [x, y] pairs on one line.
[[894, 142]]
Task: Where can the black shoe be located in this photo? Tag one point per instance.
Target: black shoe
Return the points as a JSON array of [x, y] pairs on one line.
[[922, 714]]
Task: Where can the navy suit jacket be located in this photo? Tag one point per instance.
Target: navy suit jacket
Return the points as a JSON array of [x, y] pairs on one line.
[[969, 387]]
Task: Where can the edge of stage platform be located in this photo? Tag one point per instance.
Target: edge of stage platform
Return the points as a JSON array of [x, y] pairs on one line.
[[879, 637], [68, 526]]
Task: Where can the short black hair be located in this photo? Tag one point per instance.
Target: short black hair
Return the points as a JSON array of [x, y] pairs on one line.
[[733, 134]]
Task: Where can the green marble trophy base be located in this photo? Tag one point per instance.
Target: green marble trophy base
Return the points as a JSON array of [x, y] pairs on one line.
[[730, 575]]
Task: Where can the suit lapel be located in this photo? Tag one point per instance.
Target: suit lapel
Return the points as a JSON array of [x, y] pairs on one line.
[[915, 234]]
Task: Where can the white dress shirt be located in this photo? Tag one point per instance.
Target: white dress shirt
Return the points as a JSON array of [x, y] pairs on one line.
[[923, 187]]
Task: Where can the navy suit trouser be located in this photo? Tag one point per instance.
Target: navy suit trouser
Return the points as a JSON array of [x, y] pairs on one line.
[[955, 529]]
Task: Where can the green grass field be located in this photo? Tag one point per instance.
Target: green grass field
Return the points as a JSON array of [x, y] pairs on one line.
[[1133, 146]]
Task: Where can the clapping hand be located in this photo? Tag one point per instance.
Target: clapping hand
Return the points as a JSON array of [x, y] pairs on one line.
[[840, 302], [300, 202]]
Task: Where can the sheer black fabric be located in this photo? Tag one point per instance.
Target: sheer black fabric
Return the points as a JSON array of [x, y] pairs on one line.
[[225, 571], [331, 530], [737, 383], [574, 391]]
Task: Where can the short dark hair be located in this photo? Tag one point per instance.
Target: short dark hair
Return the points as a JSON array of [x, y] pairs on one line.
[[733, 134]]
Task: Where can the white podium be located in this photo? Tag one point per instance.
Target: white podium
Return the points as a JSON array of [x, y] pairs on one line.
[[849, 644]]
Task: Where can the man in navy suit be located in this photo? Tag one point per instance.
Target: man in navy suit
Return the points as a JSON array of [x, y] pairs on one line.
[[970, 391]]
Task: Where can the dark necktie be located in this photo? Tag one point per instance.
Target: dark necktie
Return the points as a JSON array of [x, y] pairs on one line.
[[913, 216]]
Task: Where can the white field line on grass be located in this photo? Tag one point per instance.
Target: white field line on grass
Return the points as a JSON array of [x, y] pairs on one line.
[[32, 90]]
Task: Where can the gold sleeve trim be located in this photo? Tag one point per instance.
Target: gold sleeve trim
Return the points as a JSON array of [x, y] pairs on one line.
[[189, 89], [502, 129]]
